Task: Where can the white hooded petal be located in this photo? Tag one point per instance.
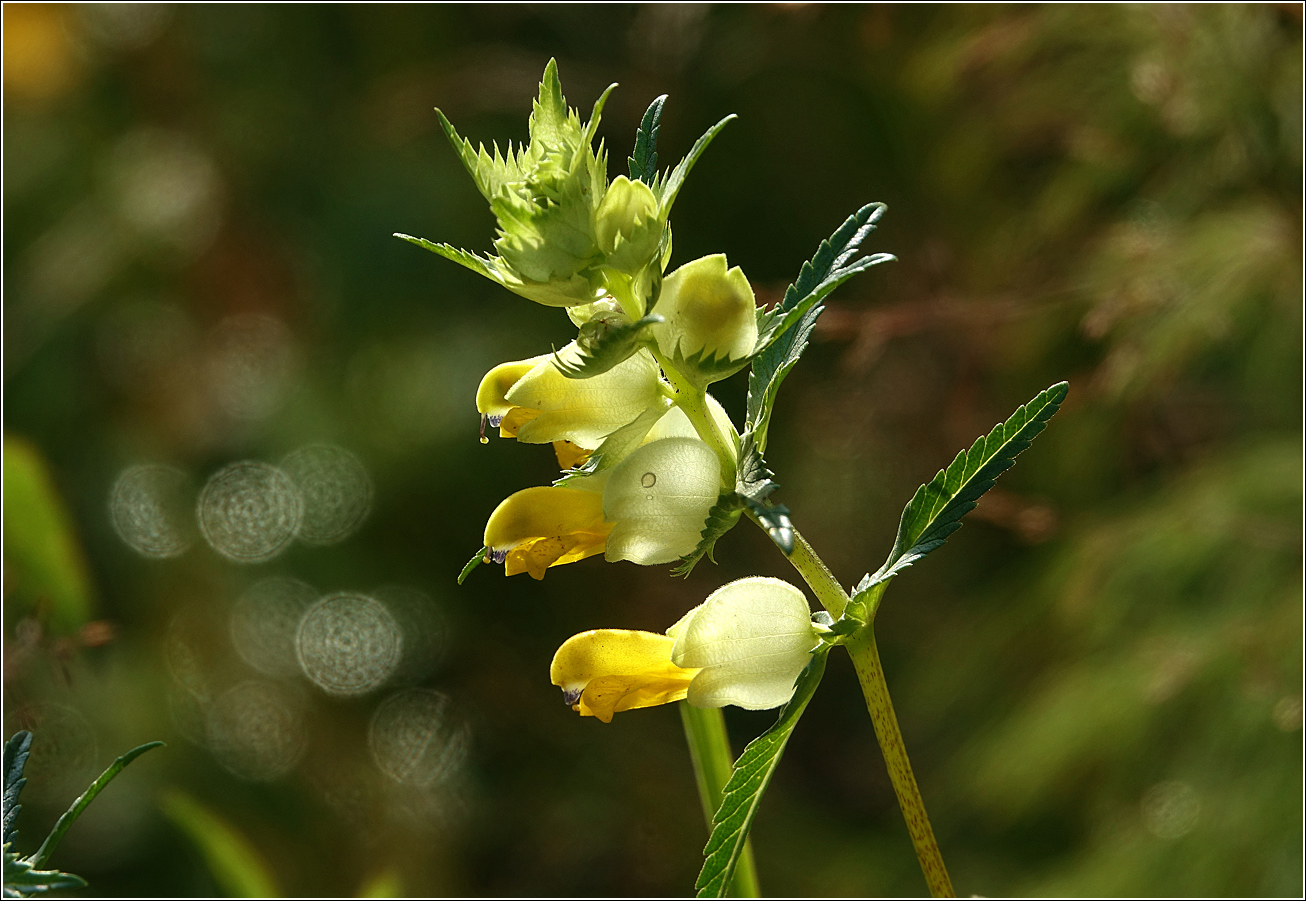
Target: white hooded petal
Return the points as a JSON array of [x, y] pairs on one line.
[[751, 638], [584, 411], [659, 498]]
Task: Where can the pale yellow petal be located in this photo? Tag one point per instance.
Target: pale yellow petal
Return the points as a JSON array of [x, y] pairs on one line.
[[546, 526], [606, 671], [584, 411]]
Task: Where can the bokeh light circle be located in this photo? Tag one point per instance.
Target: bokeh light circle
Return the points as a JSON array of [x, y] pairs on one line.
[[348, 644], [415, 739], [263, 624], [335, 489], [145, 506], [249, 511]]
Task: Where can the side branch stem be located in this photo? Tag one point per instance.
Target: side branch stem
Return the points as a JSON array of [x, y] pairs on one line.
[[709, 749], [866, 660]]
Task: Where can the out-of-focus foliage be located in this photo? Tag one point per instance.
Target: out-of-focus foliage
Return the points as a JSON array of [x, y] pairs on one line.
[[41, 554], [1099, 679]]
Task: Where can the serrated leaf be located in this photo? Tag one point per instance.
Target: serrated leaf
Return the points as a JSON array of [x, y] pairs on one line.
[[604, 343], [643, 159], [476, 561], [743, 793], [667, 190], [775, 520], [42, 855], [21, 879], [485, 266], [17, 750], [753, 478], [783, 333], [936, 510], [721, 518]]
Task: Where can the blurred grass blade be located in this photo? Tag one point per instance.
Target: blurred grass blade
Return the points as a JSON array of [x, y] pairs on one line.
[[936, 510], [387, 882], [43, 559], [42, 855], [743, 793], [235, 863]]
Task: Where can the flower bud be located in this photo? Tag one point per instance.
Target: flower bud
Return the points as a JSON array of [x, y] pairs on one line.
[[709, 317], [750, 640], [627, 225]]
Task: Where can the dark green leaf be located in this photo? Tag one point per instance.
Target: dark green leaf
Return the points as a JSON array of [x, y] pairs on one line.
[[480, 557], [668, 190], [17, 750], [42, 855], [644, 158], [775, 520], [743, 793], [783, 332], [604, 342], [21, 879], [720, 519], [937, 508]]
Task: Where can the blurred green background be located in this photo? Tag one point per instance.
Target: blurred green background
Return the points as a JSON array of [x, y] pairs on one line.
[[1099, 678]]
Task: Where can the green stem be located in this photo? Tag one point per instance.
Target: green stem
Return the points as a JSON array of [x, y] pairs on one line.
[[866, 660], [870, 674], [709, 749], [693, 400]]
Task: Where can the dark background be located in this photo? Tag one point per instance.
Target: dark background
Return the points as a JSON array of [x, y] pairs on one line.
[[1099, 679]]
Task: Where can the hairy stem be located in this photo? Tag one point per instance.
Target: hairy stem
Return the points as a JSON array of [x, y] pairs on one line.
[[866, 660], [709, 749]]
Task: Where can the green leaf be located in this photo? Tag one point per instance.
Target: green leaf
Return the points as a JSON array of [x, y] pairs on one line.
[[668, 190], [783, 333], [936, 510], [486, 266], [22, 879], [236, 865], [774, 518], [644, 158], [42, 855], [743, 793], [17, 750], [480, 557], [754, 483], [604, 342], [44, 565], [720, 519]]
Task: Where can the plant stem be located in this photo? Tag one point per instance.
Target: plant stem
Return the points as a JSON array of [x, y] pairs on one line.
[[693, 401], [709, 749], [866, 660]]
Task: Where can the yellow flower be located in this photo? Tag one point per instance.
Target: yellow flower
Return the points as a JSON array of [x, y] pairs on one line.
[[745, 645], [546, 526], [648, 509], [532, 401]]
